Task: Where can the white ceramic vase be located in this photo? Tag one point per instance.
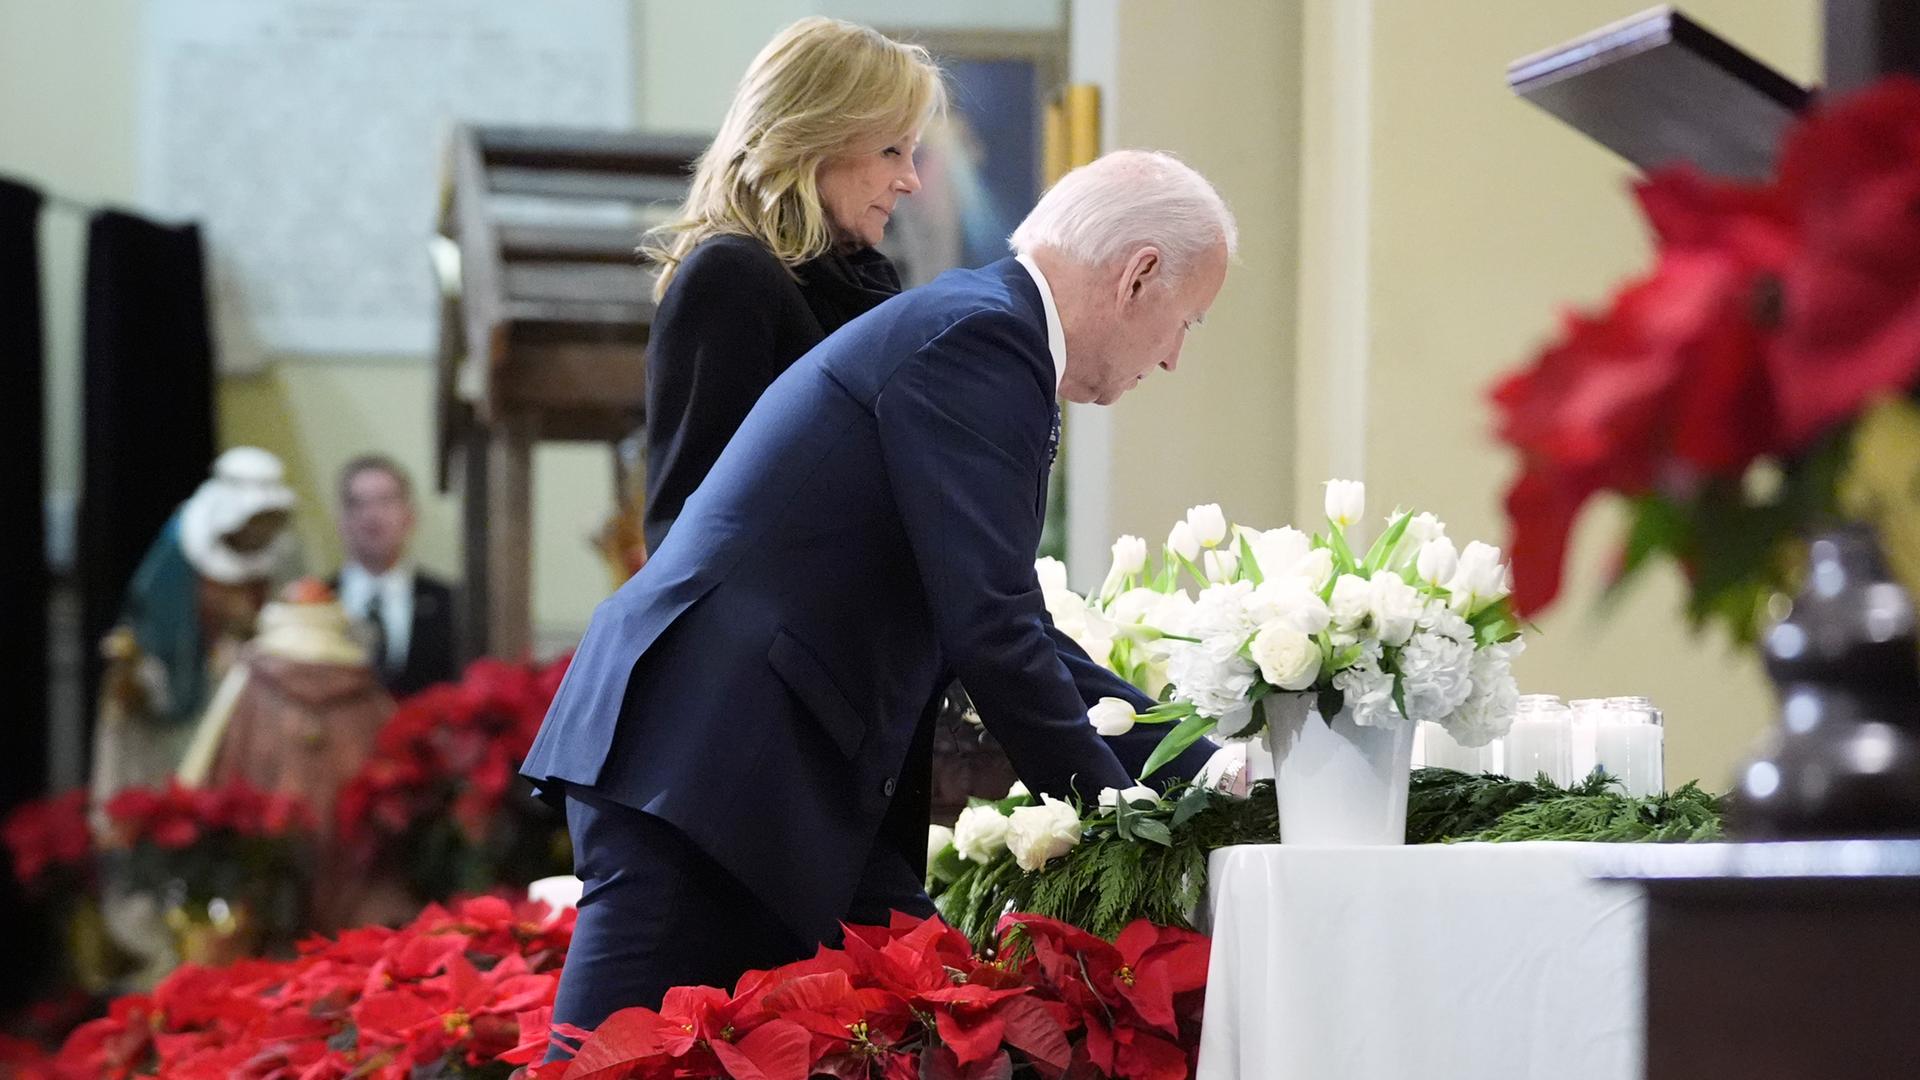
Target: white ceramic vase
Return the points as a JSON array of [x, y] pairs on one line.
[[1338, 783]]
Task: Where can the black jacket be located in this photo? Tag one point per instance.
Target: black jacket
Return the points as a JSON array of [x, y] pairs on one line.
[[732, 320], [430, 652]]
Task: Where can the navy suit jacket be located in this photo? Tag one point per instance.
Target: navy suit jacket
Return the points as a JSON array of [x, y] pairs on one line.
[[867, 535]]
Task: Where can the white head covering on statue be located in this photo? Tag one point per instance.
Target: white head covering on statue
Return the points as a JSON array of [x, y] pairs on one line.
[[246, 482]]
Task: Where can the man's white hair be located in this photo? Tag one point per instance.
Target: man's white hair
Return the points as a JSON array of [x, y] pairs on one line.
[[1106, 210]]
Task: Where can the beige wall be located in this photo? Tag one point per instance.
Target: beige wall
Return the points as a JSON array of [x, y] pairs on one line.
[[1484, 217], [1218, 85]]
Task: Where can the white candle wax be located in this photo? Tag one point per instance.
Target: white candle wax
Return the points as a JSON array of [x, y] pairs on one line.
[[1635, 754], [1542, 745]]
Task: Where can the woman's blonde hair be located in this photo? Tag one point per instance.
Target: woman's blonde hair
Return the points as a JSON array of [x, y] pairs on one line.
[[819, 89]]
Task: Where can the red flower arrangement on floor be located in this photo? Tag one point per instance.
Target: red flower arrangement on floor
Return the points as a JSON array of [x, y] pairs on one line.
[[440, 777], [49, 836], [1775, 313], [468, 990], [911, 1000]]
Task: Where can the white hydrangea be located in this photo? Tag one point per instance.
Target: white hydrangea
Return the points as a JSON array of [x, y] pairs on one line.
[[1435, 674], [1211, 673], [1368, 690], [1488, 711]]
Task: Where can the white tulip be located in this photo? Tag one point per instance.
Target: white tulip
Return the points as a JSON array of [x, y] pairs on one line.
[[1346, 501], [1111, 798], [1129, 559], [1183, 541], [1288, 658], [1018, 791], [1208, 523], [1052, 574], [980, 834], [1221, 564], [1351, 601], [1037, 834], [1479, 579], [938, 837], [1437, 561], [1112, 716]]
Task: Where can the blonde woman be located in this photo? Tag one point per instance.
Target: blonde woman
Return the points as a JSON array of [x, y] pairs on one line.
[[774, 249]]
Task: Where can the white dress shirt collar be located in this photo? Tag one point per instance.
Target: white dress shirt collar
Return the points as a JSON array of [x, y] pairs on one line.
[[1056, 334]]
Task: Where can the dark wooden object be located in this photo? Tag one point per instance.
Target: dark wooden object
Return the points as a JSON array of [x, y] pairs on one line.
[[543, 332], [1785, 961], [1659, 89]]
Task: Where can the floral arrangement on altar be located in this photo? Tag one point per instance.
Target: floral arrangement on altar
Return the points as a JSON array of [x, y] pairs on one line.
[[1759, 379], [438, 798], [1409, 628]]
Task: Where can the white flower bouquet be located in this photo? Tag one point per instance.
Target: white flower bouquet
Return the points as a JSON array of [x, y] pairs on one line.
[[1412, 629]]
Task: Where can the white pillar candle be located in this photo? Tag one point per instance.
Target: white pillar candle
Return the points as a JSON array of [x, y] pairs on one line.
[[1635, 754], [1541, 744], [1442, 752]]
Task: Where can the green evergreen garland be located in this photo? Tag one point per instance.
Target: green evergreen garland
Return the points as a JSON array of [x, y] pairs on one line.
[[1151, 862]]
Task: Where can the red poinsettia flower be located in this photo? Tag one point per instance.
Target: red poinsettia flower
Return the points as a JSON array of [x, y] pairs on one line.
[[1852, 318], [47, 833], [1125, 991]]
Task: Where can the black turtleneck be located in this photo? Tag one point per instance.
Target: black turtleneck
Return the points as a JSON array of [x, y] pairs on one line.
[[732, 320]]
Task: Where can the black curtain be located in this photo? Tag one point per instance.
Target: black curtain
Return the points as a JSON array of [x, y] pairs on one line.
[[148, 405], [23, 563]]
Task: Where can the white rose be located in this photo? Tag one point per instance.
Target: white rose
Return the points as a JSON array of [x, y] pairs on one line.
[[1221, 564], [1277, 551], [1112, 716], [1351, 601], [1052, 574], [1291, 601], [980, 834], [1183, 542], [1479, 580], [1394, 606], [1209, 525], [1437, 561], [1111, 798], [1346, 501], [1036, 834], [1288, 658], [938, 837], [1315, 568]]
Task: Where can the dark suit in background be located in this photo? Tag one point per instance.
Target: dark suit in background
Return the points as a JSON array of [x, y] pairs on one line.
[[732, 320], [430, 648], [744, 736]]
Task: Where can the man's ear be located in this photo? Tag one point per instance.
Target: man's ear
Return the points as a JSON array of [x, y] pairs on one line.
[[1143, 268]]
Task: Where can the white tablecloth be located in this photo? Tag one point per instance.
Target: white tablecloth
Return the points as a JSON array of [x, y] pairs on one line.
[[1475, 961]]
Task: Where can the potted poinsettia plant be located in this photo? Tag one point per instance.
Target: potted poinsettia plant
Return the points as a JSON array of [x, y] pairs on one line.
[[1335, 649], [1756, 383], [228, 864]]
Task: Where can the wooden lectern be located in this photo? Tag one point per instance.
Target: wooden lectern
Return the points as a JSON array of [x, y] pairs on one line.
[[543, 330]]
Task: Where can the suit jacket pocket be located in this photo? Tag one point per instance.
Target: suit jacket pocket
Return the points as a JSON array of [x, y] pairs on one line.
[[803, 673]]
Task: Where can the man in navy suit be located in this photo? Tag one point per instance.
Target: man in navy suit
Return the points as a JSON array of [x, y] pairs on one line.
[[743, 740]]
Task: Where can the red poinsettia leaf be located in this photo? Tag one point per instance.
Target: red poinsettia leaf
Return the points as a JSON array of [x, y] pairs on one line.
[[1145, 1056], [776, 1050], [940, 1063], [536, 1034], [1036, 1032], [622, 1041], [392, 1015], [972, 1037]]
